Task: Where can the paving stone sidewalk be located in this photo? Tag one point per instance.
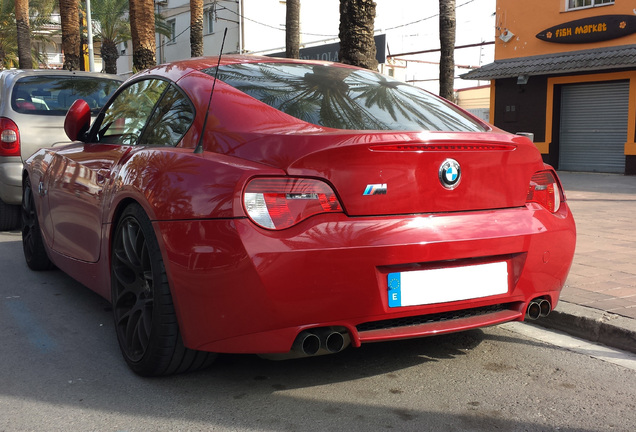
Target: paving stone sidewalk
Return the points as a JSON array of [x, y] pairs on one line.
[[598, 301]]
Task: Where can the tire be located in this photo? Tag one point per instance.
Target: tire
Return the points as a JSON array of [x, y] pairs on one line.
[[32, 242], [145, 318], [9, 216]]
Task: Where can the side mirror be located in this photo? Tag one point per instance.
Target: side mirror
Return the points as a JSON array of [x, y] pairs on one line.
[[78, 119]]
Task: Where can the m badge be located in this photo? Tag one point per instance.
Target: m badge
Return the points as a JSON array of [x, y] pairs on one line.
[[375, 189]]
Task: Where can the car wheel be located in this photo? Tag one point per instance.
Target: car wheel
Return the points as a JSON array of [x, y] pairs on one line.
[[9, 216], [32, 242], [145, 317]]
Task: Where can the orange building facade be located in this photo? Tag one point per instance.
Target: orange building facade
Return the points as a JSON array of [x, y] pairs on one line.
[[565, 70]]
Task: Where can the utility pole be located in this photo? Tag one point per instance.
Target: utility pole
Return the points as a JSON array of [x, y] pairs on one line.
[[241, 27], [89, 27]]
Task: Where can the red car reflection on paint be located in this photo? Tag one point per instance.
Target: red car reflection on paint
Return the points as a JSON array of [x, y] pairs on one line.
[[293, 208]]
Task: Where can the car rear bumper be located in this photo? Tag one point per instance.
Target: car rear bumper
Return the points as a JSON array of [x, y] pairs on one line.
[[238, 288], [11, 180]]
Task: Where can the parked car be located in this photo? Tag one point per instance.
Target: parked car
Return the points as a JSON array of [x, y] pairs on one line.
[[33, 104], [293, 208]]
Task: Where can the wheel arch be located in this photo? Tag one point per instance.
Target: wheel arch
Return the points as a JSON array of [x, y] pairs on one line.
[[110, 233]]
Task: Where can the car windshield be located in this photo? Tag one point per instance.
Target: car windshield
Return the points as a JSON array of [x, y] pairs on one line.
[[53, 95], [344, 98]]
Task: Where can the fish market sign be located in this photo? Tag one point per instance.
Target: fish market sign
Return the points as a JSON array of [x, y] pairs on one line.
[[592, 29]]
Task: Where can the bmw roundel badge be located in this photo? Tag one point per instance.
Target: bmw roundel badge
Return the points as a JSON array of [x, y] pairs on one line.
[[450, 173]]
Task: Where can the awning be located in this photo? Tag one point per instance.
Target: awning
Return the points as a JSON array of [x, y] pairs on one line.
[[619, 57]]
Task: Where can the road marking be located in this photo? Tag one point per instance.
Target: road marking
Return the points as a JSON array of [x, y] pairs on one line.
[[601, 352], [29, 325]]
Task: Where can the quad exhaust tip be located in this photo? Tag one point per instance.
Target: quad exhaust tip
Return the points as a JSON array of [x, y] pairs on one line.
[[538, 308]]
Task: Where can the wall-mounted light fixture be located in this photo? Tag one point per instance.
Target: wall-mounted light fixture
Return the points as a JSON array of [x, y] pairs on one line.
[[522, 79]]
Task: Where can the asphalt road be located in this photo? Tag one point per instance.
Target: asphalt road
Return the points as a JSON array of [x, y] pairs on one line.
[[61, 370]]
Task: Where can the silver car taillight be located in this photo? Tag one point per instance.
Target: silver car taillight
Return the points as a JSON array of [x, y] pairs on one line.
[[9, 138]]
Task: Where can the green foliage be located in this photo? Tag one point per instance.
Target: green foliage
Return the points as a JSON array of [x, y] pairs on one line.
[[39, 17], [113, 24], [111, 20]]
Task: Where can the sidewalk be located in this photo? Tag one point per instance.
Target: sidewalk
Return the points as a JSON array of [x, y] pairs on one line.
[[598, 301]]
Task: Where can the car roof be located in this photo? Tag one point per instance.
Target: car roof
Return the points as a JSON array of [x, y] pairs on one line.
[[179, 69], [11, 75]]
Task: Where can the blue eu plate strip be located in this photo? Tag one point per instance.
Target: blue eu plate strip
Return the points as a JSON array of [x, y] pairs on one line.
[[395, 297]]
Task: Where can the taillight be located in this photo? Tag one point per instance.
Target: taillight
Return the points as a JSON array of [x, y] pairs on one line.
[[544, 189], [279, 203], [9, 138]]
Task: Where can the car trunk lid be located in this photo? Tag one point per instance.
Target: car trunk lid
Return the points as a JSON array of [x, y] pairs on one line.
[[40, 131], [382, 175]]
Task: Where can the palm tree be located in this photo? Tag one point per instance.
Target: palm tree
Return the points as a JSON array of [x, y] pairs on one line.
[[447, 28], [8, 35], [142, 29], [196, 28], [69, 16], [292, 29], [357, 46], [111, 21], [23, 34], [112, 28]]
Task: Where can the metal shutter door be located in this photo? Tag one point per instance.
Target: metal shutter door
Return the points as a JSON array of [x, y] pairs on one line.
[[594, 127]]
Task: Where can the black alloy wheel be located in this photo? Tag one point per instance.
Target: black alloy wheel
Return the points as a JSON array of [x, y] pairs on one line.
[[145, 318], [32, 242]]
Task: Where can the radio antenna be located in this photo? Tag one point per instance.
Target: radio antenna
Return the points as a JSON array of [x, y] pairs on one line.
[[199, 148]]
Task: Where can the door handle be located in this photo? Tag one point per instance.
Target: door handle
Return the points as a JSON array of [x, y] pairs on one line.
[[41, 189]]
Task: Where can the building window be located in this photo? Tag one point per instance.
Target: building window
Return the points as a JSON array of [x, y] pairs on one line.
[[579, 4], [173, 31], [209, 18]]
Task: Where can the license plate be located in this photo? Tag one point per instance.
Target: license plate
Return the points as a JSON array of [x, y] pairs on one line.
[[422, 287]]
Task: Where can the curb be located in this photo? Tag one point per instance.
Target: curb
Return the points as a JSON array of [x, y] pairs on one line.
[[591, 324]]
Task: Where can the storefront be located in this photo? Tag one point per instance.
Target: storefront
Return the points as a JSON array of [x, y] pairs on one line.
[[566, 72]]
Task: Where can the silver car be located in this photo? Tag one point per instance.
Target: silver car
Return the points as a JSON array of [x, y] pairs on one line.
[[33, 104]]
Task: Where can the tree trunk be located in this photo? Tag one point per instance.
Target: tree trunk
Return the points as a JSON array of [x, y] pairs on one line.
[[196, 28], [24, 34], [142, 28], [447, 27], [292, 29], [357, 46], [110, 54], [69, 16]]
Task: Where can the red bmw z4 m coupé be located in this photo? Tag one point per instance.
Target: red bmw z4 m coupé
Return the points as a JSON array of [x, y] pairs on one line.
[[292, 208]]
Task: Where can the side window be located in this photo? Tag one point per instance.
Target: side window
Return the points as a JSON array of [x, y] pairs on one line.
[[170, 121], [578, 4], [172, 38], [125, 119]]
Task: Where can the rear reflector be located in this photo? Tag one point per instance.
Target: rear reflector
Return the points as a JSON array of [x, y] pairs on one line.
[[279, 203]]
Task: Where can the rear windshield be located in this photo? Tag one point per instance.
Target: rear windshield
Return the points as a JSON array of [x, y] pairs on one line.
[[344, 98], [53, 95]]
